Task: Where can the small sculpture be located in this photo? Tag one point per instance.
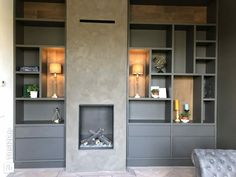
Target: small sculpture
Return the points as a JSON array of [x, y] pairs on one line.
[[159, 63]]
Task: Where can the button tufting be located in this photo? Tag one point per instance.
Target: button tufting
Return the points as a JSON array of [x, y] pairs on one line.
[[229, 168], [212, 161], [222, 161]]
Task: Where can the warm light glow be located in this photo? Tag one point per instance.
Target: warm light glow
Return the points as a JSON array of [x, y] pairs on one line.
[[137, 69], [55, 68]]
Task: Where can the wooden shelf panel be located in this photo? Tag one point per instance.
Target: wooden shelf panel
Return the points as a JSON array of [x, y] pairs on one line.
[[149, 99], [39, 99], [38, 123], [20, 72], [41, 22], [133, 121]]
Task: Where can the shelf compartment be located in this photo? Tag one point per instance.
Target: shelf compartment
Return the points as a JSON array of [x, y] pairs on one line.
[[208, 112], [22, 80], [150, 111], [162, 82], [52, 55], [30, 111], [205, 49], [206, 32], [26, 57], [187, 89], [167, 54], [54, 9], [37, 35], [140, 57], [173, 11], [41, 22], [209, 87], [183, 49], [151, 35], [205, 66]]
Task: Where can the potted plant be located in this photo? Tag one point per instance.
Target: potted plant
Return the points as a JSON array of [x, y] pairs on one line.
[[184, 116], [33, 90]]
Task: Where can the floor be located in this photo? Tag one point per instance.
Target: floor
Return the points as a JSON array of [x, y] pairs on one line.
[[131, 172]]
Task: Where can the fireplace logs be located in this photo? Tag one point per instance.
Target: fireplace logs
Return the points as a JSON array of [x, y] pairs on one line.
[[97, 139]]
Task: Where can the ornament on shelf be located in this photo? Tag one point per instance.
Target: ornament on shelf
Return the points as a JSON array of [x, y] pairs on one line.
[[177, 111], [159, 62], [185, 115]]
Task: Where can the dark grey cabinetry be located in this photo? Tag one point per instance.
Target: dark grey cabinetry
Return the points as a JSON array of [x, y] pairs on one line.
[[39, 146], [39, 41], [188, 42]]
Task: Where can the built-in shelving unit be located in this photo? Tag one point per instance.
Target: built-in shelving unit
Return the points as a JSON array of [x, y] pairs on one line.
[[186, 37], [39, 41]]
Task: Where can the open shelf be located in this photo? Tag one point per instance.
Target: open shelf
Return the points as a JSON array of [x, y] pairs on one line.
[[187, 89], [40, 9], [161, 11], [150, 35], [209, 87], [158, 55], [149, 99], [133, 121], [151, 110], [206, 32], [41, 22], [162, 82], [30, 111], [205, 66], [52, 55], [183, 49], [208, 112], [205, 49], [139, 57]]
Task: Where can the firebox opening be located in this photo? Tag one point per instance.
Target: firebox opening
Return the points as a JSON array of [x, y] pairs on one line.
[[96, 126]]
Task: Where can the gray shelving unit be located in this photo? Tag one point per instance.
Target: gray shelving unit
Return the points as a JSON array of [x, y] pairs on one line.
[[38, 141], [154, 138]]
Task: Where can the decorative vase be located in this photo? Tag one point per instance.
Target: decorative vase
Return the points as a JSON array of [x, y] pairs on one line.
[[33, 94]]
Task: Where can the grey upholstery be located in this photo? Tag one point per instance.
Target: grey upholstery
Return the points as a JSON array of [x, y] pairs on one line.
[[214, 162]]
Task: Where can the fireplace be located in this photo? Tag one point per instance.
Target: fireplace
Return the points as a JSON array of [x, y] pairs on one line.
[[96, 126]]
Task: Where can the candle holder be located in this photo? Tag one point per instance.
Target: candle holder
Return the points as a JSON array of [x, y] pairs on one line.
[[177, 118]]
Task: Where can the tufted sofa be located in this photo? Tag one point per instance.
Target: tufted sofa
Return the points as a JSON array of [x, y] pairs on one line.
[[214, 162]]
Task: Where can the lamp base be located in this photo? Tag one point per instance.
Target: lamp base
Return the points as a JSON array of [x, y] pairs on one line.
[[54, 95], [177, 120], [137, 95]]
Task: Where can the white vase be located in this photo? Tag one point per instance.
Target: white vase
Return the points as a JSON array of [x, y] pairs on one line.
[[33, 94]]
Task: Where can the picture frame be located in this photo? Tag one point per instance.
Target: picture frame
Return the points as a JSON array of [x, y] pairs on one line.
[[162, 93], [155, 91]]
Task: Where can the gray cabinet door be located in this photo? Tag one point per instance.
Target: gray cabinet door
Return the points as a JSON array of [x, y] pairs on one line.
[[40, 131], [31, 149], [148, 147], [148, 130], [183, 146]]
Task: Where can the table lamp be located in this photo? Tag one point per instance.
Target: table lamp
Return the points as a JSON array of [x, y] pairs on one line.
[[137, 69], [55, 68]]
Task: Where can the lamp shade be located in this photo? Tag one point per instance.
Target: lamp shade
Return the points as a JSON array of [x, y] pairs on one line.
[[55, 68], [137, 69]]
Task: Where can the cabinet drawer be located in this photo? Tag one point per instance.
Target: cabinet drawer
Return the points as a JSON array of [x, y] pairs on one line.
[[39, 149], [149, 130], [183, 146], [194, 130], [40, 131], [148, 147]]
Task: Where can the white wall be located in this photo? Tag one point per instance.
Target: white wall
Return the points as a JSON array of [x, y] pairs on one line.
[[6, 91]]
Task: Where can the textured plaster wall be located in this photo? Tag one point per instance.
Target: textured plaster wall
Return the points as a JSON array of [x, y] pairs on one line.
[[96, 74], [6, 91]]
